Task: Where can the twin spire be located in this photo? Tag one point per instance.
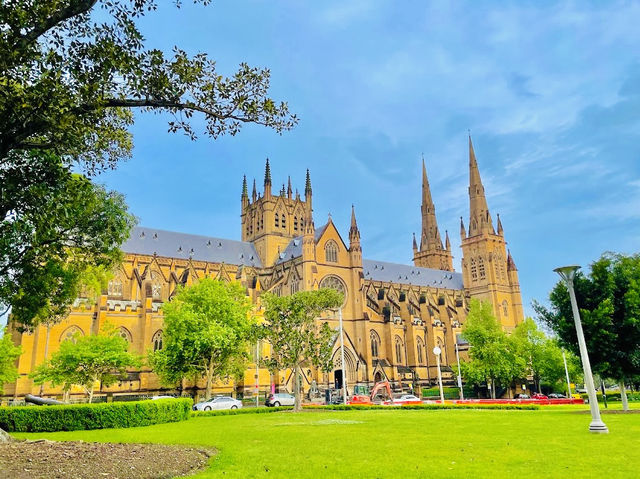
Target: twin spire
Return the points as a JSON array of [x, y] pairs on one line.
[[284, 191]]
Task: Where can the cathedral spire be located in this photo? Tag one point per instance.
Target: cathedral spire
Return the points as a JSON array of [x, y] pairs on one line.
[[511, 264], [415, 245], [447, 243], [267, 179], [463, 232], [245, 192], [307, 185], [500, 229], [289, 189], [254, 195], [430, 239], [354, 232], [479, 217]]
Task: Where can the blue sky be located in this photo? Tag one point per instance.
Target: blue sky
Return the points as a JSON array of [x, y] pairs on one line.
[[550, 92]]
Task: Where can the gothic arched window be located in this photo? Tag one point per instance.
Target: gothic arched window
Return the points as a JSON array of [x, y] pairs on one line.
[[283, 219], [277, 221], [474, 270], [375, 344], [71, 334], [398, 350], [295, 223], [125, 334], [156, 285], [157, 340], [505, 308], [481, 270], [114, 287], [420, 351], [331, 252]]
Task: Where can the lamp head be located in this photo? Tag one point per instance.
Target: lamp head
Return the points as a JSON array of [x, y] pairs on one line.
[[567, 273]]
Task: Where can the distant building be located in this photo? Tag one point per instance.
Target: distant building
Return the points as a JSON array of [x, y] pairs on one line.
[[394, 314]]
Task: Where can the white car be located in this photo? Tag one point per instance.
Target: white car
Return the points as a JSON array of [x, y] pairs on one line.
[[216, 403], [407, 399]]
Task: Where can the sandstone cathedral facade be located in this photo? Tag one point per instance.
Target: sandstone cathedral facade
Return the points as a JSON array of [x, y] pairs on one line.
[[394, 314]]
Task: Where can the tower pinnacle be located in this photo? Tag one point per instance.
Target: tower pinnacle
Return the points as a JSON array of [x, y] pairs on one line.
[[479, 217], [267, 180]]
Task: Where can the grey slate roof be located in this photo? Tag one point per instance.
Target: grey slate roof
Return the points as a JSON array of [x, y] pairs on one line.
[[407, 274], [169, 244], [294, 248]]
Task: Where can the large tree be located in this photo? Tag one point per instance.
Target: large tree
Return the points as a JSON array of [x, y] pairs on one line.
[[8, 355], [87, 360], [73, 71], [492, 354], [609, 302], [208, 330], [58, 229], [297, 337]]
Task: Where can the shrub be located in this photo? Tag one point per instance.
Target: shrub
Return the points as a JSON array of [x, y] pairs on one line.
[[613, 396], [233, 412], [93, 416], [449, 392]]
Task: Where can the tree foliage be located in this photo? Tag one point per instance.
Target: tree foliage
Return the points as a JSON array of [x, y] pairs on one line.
[[492, 353], [86, 360], [8, 355], [208, 329], [73, 71], [57, 229], [297, 337], [609, 302]]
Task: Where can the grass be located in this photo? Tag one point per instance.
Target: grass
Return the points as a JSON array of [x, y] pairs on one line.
[[550, 442]]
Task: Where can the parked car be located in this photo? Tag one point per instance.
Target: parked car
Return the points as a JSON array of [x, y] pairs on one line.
[[557, 396], [218, 402], [280, 399], [522, 396], [539, 396], [406, 399], [154, 398]]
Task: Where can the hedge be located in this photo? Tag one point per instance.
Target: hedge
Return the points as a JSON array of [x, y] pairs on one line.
[[449, 392], [613, 396], [93, 416], [354, 407], [233, 412]]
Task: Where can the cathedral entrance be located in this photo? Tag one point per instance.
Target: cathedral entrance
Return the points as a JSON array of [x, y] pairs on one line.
[[337, 379]]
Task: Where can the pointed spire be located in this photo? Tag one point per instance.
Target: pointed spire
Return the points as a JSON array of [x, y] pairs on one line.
[[282, 191], [267, 173], [447, 243], [245, 192], [479, 217], [354, 232], [430, 239], [307, 185], [463, 232], [289, 189], [500, 229], [511, 264], [415, 245], [254, 195]]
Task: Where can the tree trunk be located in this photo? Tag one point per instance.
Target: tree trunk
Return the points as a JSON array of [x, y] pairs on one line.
[[91, 393], [297, 407], [207, 391], [46, 353], [493, 389], [623, 395], [65, 396]]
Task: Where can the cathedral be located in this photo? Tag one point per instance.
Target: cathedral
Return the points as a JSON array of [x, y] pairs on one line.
[[393, 314]]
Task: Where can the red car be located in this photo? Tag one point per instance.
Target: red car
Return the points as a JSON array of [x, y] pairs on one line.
[[539, 396]]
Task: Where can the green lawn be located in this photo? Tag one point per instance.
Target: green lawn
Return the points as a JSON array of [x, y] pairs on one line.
[[551, 442]]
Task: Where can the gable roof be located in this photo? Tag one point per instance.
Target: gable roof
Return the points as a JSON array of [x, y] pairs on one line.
[[169, 244], [412, 275]]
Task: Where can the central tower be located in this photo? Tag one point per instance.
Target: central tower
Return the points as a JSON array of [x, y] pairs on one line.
[[431, 253], [271, 221]]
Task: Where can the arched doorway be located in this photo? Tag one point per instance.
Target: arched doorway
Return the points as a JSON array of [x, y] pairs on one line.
[[377, 377]]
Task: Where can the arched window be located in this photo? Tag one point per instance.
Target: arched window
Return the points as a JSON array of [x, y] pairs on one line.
[[420, 348], [474, 270], [125, 333], [283, 219], [505, 309], [481, 271], [295, 286], [277, 221], [398, 350], [331, 252], [157, 340], [71, 334], [156, 285], [114, 287], [375, 344], [295, 223]]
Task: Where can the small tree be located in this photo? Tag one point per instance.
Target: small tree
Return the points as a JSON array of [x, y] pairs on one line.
[[8, 355], [208, 330], [296, 336], [86, 360], [492, 354]]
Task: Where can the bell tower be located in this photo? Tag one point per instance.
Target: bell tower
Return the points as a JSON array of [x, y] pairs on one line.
[[488, 270]]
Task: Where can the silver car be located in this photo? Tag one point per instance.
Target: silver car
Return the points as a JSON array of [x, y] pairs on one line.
[[216, 403], [280, 399]]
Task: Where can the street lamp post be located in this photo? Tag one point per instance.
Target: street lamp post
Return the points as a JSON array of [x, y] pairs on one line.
[[566, 371], [344, 366], [437, 352], [257, 372], [568, 273], [459, 376]]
